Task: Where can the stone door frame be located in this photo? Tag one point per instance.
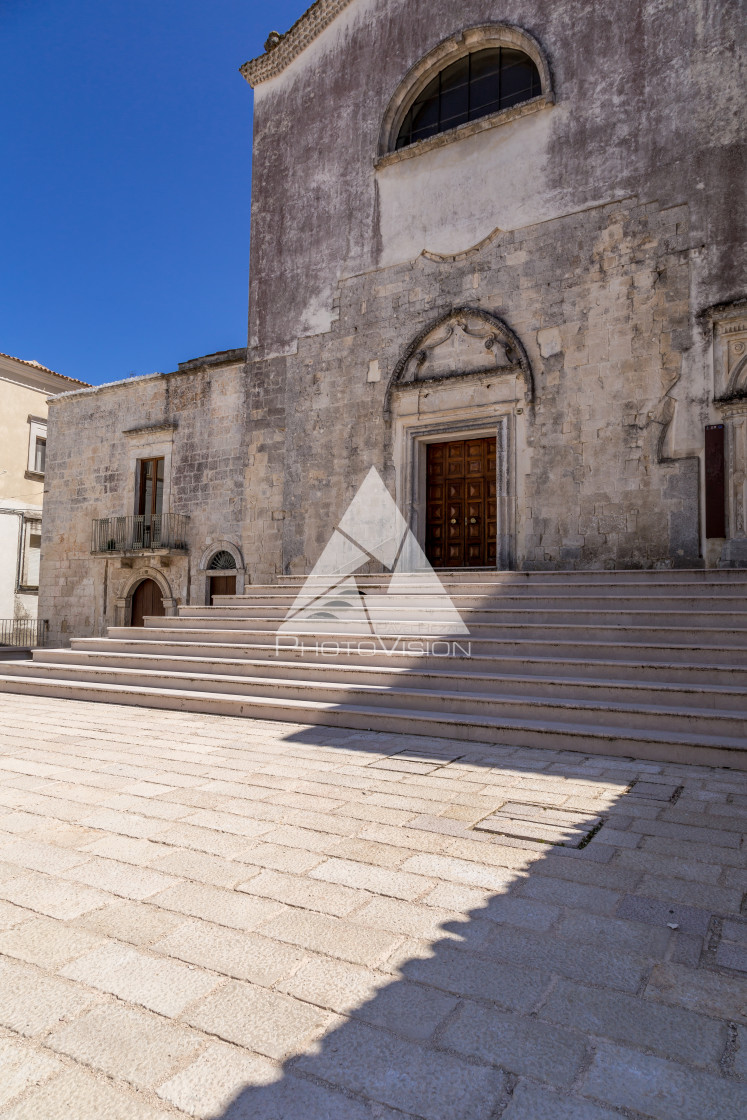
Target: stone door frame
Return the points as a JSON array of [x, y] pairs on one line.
[[412, 436], [204, 574], [123, 604], [733, 548]]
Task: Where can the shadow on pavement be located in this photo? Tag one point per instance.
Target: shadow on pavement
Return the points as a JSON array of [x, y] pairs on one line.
[[517, 987]]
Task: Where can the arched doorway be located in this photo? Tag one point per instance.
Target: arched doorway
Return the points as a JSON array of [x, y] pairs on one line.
[[222, 574], [458, 401], [147, 599]]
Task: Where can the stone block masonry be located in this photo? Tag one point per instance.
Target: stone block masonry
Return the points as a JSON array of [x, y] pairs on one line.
[[596, 489], [195, 419]]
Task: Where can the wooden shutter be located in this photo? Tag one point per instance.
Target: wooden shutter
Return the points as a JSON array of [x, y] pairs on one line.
[[715, 481]]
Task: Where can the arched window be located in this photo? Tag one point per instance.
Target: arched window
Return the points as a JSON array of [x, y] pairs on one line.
[[221, 561], [476, 85]]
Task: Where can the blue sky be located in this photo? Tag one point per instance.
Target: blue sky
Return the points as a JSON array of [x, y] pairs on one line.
[[125, 133]]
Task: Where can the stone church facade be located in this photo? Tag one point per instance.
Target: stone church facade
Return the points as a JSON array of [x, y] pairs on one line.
[[497, 253]]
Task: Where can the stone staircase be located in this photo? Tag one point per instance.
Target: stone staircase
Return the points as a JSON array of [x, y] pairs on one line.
[[641, 663]]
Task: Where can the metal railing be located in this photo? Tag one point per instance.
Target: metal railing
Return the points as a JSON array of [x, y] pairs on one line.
[[23, 632], [128, 534]]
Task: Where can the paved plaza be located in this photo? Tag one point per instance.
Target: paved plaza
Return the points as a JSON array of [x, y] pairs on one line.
[[213, 917]]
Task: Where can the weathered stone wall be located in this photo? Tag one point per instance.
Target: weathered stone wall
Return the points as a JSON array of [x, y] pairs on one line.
[[599, 227], [648, 102], [606, 220], [608, 291], [196, 418]]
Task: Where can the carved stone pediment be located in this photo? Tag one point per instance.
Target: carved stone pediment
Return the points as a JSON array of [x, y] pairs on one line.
[[465, 342], [730, 354]]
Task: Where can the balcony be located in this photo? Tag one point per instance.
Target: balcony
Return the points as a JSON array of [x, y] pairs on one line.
[[161, 532]]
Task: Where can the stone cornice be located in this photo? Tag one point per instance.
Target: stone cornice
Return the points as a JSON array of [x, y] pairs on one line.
[[149, 429], [280, 50]]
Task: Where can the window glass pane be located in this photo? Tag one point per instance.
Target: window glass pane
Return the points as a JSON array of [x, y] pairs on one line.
[[425, 120], [146, 489], [484, 83], [517, 78], [454, 108], [31, 554], [473, 86], [40, 455], [429, 93], [456, 75], [422, 119], [484, 63], [454, 94], [158, 503]]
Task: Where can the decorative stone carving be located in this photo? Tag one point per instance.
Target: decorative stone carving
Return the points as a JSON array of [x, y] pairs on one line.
[[465, 345], [274, 39], [280, 51], [730, 353], [450, 258], [659, 418], [730, 398], [465, 342], [738, 470], [656, 428]]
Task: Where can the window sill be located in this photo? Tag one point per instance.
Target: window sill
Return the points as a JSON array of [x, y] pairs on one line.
[[35, 476], [462, 131]]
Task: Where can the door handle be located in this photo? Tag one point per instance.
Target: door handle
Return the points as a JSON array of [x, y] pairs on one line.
[[453, 521], [473, 520]]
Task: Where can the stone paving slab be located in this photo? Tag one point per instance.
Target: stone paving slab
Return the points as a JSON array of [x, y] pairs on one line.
[[227, 919]]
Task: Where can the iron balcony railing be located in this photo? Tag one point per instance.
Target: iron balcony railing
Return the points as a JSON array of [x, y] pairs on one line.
[[129, 534], [23, 632]]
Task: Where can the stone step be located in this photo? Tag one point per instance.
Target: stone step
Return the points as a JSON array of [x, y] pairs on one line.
[[678, 746], [608, 712], [618, 631], [668, 576], [615, 646], [667, 671], [518, 598], [649, 664], [495, 614], [448, 678]]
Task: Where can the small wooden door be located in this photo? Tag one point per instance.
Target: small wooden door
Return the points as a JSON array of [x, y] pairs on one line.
[[147, 599], [461, 509], [222, 585]]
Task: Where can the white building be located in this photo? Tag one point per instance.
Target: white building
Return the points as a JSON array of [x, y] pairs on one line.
[[24, 390]]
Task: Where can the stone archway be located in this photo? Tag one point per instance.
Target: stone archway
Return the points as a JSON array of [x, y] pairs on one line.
[[448, 51], [207, 576], [123, 604], [466, 342]]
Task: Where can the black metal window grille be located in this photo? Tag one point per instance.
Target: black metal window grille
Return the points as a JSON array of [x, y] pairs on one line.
[[221, 562], [474, 86]]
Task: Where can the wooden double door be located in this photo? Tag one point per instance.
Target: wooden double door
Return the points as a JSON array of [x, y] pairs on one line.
[[461, 506], [147, 599]]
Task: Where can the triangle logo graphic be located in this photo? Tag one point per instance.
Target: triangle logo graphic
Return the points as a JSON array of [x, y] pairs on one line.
[[331, 601]]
